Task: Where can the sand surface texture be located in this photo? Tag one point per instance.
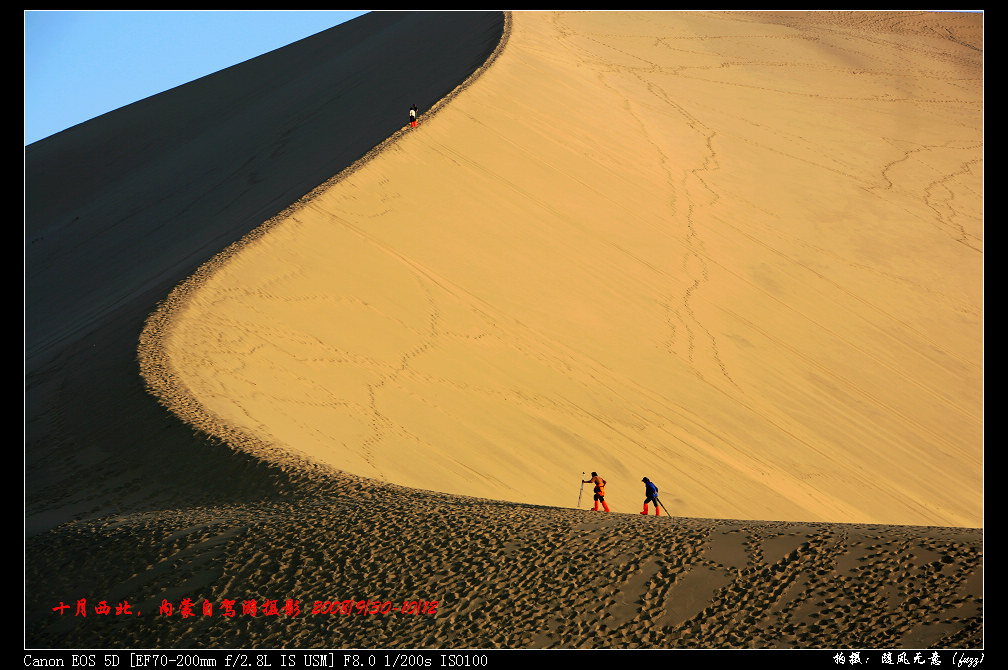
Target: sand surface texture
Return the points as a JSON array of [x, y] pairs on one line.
[[739, 253]]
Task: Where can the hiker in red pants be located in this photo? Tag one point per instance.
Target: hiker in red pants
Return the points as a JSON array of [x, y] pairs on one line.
[[650, 495], [599, 490]]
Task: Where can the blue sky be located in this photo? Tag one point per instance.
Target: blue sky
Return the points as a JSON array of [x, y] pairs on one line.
[[82, 64]]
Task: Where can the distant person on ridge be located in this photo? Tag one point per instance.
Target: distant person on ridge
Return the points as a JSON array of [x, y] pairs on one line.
[[650, 495], [599, 490], [412, 115]]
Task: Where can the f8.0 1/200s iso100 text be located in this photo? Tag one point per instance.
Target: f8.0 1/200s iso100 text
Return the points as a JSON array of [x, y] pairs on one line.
[[416, 660]]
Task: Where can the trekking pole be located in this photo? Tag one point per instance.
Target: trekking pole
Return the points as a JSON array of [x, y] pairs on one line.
[[663, 507], [582, 489]]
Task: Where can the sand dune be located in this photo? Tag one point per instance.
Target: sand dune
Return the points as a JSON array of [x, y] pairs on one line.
[[626, 249], [740, 253]]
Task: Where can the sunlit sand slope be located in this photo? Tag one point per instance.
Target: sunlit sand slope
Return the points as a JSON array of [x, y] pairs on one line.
[[738, 253]]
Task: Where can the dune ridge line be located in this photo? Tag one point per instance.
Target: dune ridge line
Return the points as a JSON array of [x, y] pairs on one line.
[[155, 367]]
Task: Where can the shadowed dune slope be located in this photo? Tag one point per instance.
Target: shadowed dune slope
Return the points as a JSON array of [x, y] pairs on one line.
[[122, 208]]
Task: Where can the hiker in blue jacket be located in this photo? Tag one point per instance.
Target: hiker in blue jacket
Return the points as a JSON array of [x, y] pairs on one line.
[[650, 495]]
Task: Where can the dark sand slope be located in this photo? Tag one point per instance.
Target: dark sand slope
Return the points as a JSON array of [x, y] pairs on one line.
[[120, 209], [509, 575], [124, 503]]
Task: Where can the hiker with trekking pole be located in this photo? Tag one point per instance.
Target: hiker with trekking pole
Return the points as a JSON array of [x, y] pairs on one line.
[[599, 490], [651, 495]]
